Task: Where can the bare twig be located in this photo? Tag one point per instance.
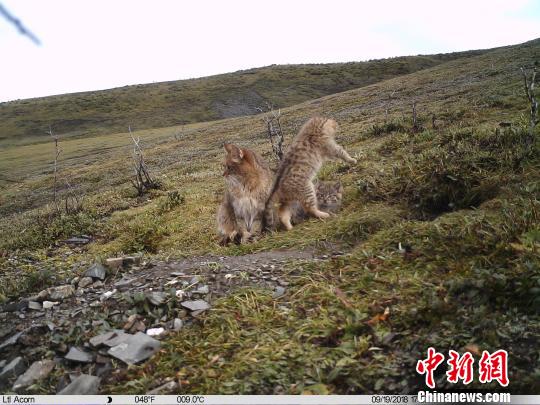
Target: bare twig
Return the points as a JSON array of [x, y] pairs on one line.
[[57, 152], [18, 24], [272, 119], [143, 181], [387, 107], [531, 96], [415, 126]]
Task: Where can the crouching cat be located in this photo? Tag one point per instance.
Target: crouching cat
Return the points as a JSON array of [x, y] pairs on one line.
[[248, 181], [329, 197], [313, 145]]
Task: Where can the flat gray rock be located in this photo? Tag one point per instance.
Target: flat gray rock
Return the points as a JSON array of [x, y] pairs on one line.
[[137, 348], [34, 305], [197, 305], [112, 338], [82, 385], [78, 355], [61, 292], [10, 341], [37, 371], [77, 241], [156, 298], [96, 271], [13, 369]]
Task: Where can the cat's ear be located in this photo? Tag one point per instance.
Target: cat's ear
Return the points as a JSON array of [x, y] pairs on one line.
[[338, 187], [234, 151]]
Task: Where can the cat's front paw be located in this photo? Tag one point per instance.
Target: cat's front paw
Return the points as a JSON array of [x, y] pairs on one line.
[[352, 161]]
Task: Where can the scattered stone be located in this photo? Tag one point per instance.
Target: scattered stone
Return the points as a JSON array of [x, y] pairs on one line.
[[195, 280], [82, 385], [156, 298], [85, 282], [11, 340], [2, 363], [96, 271], [61, 292], [97, 284], [36, 306], [166, 388], [135, 323], [78, 355], [49, 304], [137, 348], [197, 305], [124, 283], [77, 241], [43, 295], [114, 262], [280, 291], [108, 294], [177, 324], [155, 331], [14, 368], [16, 306], [112, 338], [75, 281], [203, 289], [133, 260], [37, 371]]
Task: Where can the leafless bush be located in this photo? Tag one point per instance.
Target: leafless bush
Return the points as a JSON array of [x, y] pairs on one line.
[[72, 201], [531, 96], [143, 181], [271, 118]]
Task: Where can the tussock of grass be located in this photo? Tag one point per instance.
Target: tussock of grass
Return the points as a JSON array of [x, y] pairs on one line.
[[453, 170]]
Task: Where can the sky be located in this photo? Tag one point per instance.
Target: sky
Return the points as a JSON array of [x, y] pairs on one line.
[[100, 44]]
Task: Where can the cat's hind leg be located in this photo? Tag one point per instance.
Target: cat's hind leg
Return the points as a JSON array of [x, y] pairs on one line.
[[309, 202]]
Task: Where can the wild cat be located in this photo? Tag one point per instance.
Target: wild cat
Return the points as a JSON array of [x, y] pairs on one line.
[[313, 145], [329, 197], [248, 180]]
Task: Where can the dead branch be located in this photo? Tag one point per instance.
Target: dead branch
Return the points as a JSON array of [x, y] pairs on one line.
[[57, 152], [143, 181], [531, 96], [415, 126], [272, 120]]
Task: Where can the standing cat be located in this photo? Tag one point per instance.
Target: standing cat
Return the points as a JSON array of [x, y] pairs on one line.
[[313, 145], [248, 180]]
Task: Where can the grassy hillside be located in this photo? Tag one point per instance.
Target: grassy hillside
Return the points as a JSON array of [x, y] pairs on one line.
[[440, 230], [196, 100]]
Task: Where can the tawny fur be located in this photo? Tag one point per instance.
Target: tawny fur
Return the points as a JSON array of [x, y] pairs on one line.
[[329, 197], [248, 182], [313, 145]]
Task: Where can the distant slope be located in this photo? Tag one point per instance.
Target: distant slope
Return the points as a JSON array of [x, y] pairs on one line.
[[197, 100]]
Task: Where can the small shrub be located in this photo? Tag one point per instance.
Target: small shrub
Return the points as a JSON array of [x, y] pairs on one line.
[[173, 199], [387, 128]]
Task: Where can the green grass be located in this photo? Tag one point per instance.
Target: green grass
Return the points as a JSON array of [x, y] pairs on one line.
[[460, 197]]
